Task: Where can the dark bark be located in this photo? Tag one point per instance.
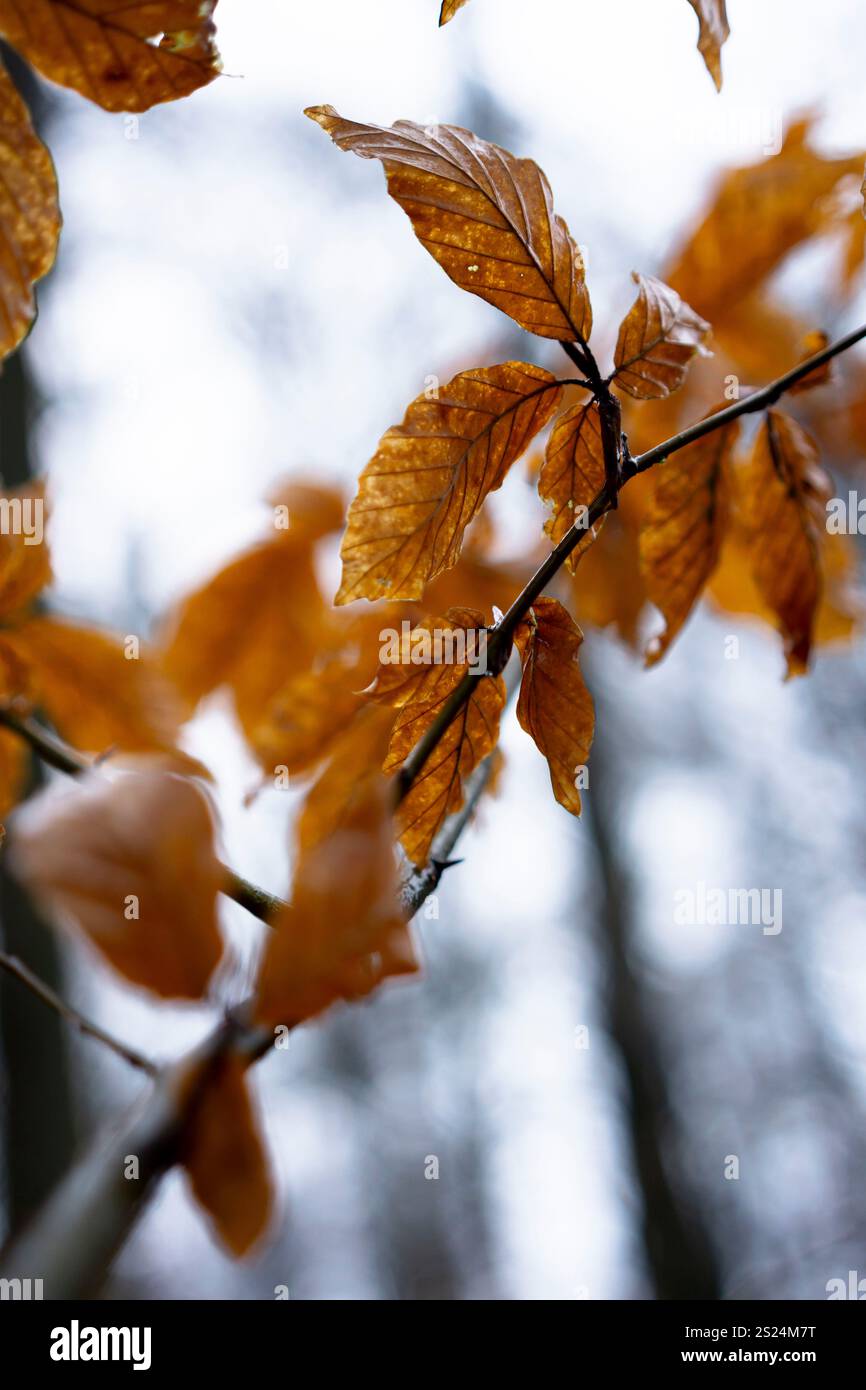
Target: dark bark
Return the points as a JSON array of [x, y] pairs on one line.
[[37, 1131], [679, 1251]]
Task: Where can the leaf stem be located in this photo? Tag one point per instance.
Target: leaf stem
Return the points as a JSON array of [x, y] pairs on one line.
[[502, 636], [758, 400], [64, 758], [22, 972]]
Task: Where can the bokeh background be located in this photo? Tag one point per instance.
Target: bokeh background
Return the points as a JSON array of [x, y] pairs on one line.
[[236, 300]]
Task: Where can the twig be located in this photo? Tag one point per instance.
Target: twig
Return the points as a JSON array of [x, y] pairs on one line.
[[51, 749], [62, 756], [77, 1020], [502, 636], [256, 900], [757, 400], [424, 881], [72, 1239]]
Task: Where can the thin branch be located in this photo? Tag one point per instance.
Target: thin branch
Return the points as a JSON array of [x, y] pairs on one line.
[[51, 749], [16, 967], [582, 355], [72, 1240], [258, 901], [74, 1237], [424, 881], [62, 756], [756, 400], [502, 636]]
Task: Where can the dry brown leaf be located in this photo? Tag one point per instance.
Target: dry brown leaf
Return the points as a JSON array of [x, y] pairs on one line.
[[682, 532], [853, 246], [449, 10], [418, 692], [94, 695], [555, 707], [840, 614], [14, 769], [225, 1160], [484, 215], [125, 57], [478, 583], [608, 589], [303, 720], [406, 660], [130, 859], [813, 343], [252, 627], [657, 340], [841, 609], [784, 490], [29, 215], [25, 563], [757, 215], [313, 509], [344, 931], [573, 472], [714, 34], [357, 751], [430, 476], [299, 725]]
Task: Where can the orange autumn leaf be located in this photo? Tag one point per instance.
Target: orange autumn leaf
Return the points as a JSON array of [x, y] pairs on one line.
[[757, 339], [841, 610], [251, 627], [98, 697], [224, 1158], [657, 340], [757, 215], [449, 10], [14, 769], [357, 749], [418, 690], [682, 532], [484, 215], [29, 216], [573, 471], [124, 57], [853, 245], [784, 490], [430, 476], [479, 583], [25, 563], [343, 932], [714, 34], [302, 721], [299, 725], [130, 860], [407, 657], [311, 710], [555, 707], [813, 343], [608, 588], [310, 509]]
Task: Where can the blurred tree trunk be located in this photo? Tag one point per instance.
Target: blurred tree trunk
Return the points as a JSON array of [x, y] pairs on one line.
[[679, 1251], [37, 1130], [413, 1251]]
